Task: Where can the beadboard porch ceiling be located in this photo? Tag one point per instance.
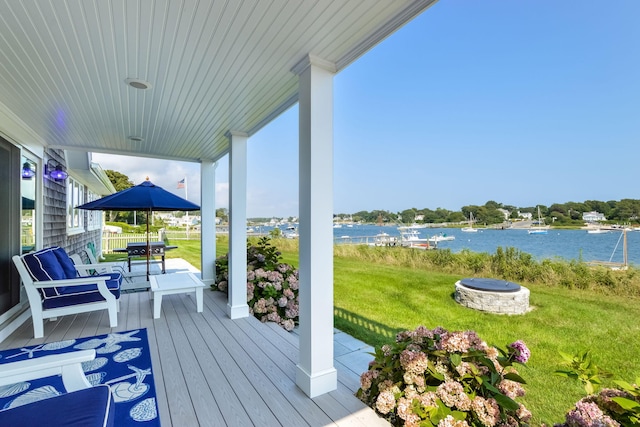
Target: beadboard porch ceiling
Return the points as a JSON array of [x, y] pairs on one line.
[[214, 66]]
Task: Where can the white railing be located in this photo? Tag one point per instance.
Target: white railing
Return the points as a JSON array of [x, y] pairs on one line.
[[182, 235], [111, 241]]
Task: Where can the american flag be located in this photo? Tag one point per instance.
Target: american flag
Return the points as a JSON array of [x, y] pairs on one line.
[[181, 183]]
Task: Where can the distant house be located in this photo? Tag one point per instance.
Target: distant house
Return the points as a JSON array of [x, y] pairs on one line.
[[528, 216], [593, 216], [419, 218], [505, 212]]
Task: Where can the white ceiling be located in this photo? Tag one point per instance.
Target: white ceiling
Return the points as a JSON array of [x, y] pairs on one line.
[[214, 66]]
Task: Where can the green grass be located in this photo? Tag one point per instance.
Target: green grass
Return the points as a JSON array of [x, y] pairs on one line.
[[379, 292], [373, 302]]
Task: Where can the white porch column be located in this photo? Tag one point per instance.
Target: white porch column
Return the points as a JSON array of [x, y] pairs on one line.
[[237, 306], [208, 222], [315, 372]]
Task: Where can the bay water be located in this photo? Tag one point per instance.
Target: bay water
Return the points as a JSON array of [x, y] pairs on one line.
[[565, 244]]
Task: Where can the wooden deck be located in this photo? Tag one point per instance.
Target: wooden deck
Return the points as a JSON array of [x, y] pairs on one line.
[[210, 370]]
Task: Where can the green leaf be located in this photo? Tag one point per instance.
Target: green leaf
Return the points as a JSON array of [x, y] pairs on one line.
[[625, 403], [625, 385], [506, 402], [491, 388], [459, 415], [589, 388], [456, 359], [566, 374], [515, 377], [566, 357]]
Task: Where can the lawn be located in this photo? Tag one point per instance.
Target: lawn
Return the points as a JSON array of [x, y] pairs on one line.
[[373, 301]]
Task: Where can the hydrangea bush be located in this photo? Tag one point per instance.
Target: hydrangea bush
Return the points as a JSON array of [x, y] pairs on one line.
[[445, 379], [272, 286], [611, 407]]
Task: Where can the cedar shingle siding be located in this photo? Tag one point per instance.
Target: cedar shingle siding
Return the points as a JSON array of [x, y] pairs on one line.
[[55, 215]]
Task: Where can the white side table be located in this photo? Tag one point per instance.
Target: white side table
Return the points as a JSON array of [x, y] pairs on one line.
[[174, 283]]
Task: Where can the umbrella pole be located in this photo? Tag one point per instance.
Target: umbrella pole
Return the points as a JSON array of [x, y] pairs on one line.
[[148, 246]]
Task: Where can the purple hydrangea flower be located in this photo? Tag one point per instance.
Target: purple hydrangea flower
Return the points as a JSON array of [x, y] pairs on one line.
[[521, 351]]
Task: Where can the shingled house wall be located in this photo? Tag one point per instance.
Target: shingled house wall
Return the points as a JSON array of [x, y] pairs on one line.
[[55, 215]]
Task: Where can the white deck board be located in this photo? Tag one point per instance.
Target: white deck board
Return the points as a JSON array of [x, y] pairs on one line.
[[210, 370]]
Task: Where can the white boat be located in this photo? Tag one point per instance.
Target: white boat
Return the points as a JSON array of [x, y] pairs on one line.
[[539, 229], [291, 233], [383, 239], [470, 228], [410, 237], [442, 237], [597, 231]]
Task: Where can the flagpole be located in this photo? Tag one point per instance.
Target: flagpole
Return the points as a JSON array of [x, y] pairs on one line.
[[186, 197]]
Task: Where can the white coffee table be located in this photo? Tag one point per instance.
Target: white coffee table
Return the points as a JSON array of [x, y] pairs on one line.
[[174, 283]]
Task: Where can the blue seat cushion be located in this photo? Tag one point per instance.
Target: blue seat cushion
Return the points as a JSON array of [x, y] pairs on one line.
[[44, 265], [83, 408], [66, 263], [81, 294]]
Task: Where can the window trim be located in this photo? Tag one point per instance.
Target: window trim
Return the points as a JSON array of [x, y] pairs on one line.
[[75, 196], [94, 218]]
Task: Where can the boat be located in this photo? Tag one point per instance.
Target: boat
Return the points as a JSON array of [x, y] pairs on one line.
[[597, 231], [291, 233], [442, 237], [470, 228], [539, 229], [383, 239], [410, 237]]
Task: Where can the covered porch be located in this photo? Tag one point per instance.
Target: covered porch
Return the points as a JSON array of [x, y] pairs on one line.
[[210, 370], [189, 81]]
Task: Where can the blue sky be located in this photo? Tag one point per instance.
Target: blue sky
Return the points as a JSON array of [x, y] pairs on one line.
[[522, 102]]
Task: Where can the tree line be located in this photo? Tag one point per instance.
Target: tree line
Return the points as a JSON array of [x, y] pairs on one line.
[[625, 211], [570, 213]]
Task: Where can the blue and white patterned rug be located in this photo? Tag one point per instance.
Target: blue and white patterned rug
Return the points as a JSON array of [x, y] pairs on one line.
[[122, 361]]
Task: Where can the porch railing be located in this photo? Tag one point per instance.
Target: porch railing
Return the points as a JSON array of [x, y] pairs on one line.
[[111, 241]]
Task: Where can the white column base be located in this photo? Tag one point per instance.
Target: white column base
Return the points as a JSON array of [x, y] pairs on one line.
[[238, 311], [317, 384]]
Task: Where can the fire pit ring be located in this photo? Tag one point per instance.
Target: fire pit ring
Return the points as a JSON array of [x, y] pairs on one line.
[[492, 295]]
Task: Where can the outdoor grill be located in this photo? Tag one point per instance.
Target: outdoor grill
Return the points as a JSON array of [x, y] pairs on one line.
[[139, 250]]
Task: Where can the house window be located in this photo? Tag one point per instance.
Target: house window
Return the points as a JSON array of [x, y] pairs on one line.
[[29, 224], [75, 197], [94, 218]]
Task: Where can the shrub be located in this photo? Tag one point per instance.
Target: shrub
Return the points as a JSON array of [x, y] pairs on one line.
[[441, 378], [272, 286], [611, 407]]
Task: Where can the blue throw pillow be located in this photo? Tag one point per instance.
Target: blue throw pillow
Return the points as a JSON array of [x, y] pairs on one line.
[[67, 265], [44, 265]]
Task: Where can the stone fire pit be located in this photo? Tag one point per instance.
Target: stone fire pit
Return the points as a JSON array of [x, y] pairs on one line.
[[492, 295]]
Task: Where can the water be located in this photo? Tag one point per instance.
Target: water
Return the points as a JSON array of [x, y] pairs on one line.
[[566, 244]]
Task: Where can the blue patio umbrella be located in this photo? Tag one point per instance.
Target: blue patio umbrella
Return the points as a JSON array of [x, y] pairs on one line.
[[142, 197]]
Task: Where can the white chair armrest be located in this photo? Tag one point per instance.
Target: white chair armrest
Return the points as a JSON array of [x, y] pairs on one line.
[[69, 365], [89, 280], [100, 268]]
